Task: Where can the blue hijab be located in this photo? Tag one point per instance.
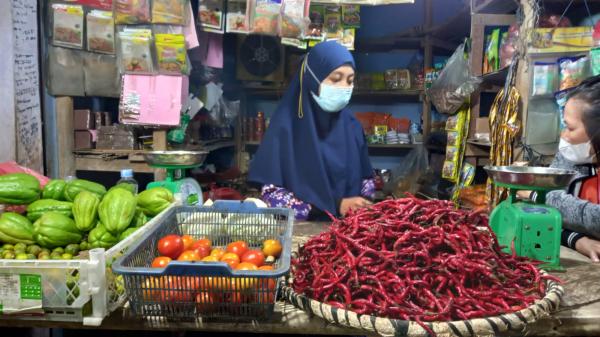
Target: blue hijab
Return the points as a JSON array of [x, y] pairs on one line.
[[321, 157]]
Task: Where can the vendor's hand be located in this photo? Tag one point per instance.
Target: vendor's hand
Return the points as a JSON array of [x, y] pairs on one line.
[[588, 247], [523, 194], [353, 203]]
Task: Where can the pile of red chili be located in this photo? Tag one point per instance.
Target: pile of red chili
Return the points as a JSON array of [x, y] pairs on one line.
[[412, 259]]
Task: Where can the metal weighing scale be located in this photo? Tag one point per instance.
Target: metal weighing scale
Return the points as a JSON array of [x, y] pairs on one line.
[[534, 227], [175, 162]]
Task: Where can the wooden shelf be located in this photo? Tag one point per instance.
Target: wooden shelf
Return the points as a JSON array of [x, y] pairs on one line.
[[213, 146], [496, 78], [493, 6], [357, 93], [110, 165]]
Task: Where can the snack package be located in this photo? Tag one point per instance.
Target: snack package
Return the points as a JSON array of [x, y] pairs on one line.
[[135, 51], [170, 12], [455, 122], [348, 38], [294, 18], [561, 98], [96, 4], [300, 44], [67, 26], [211, 15], [100, 32], [544, 78], [491, 60], [333, 23], [351, 16], [452, 153], [237, 18], [265, 18], [171, 54], [453, 138], [317, 19], [573, 70], [131, 12], [450, 171], [595, 61]]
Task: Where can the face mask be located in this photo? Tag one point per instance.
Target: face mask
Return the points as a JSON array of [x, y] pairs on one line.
[[577, 153], [331, 98]]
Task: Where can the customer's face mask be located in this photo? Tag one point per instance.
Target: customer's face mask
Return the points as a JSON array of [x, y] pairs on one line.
[[576, 153], [331, 98]]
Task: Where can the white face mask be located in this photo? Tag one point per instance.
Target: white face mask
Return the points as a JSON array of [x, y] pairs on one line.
[[576, 153]]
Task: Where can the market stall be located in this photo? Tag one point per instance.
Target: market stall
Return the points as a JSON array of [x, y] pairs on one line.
[[401, 179]]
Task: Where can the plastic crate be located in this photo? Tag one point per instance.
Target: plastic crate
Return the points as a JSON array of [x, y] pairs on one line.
[[79, 290], [193, 290]]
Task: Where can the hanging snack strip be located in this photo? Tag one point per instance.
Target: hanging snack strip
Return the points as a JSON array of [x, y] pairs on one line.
[[135, 51], [211, 15], [171, 54], [294, 18], [131, 12], [504, 126], [100, 32], [67, 30], [237, 18], [265, 17], [171, 12]]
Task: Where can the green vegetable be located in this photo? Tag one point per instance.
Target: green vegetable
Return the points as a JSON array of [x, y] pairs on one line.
[[72, 249], [100, 238], [58, 250], [20, 246], [38, 208], [67, 256], [44, 256], [21, 256], [9, 255], [75, 186], [126, 233], [8, 246], [34, 249], [54, 189], [15, 229], [19, 189], [85, 209], [55, 230], [155, 200], [139, 219], [84, 245], [117, 210], [125, 186], [31, 257]]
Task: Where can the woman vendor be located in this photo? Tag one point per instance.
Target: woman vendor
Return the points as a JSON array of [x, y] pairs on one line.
[[314, 158], [578, 150]]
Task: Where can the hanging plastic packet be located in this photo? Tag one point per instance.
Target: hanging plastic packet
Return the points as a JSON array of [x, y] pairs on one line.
[[491, 60], [317, 19], [595, 61], [333, 23], [211, 15], [177, 135], [101, 75], [351, 16], [300, 44], [237, 18], [171, 12], [100, 32], [67, 27], [561, 98], [573, 70], [348, 38], [135, 51], [294, 18], [265, 18], [544, 78], [171, 54], [131, 12]]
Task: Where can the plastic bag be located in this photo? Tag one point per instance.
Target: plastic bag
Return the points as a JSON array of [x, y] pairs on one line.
[[405, 177], [544, 78], [237, 18], [12, 167], [171, 54], [135, 55], [65, 72], [294, 18], [573, 70], [265, 19], [67, 25], [131, 12], [454, 84], [101, 75], [169, 11]]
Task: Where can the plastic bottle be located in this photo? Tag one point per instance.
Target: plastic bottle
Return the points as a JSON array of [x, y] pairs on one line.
[[127, 178]]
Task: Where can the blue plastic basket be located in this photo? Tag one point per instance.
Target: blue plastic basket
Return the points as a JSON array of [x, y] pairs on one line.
[[190, 290]]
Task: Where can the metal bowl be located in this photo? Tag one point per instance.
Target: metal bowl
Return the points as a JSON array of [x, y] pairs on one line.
[[539, 177], [175, 158]]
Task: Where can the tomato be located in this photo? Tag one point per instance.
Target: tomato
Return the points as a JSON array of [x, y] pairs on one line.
[[187, 242], [246, 266], [214, 284], [267, 286], [256, 257], [202, 242], [202, 251], [177, 288], [204, 302], [231, 259], [245, 283], [237, 247], [217, 252], [210, 258], [171, 246], [189, 255], [272, 248], [161, 262], [150, 290]]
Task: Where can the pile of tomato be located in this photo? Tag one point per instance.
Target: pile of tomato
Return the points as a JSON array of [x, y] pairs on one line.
[[208, 291]]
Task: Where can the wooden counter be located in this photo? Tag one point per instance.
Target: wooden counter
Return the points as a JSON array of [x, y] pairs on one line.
[[579, 314]]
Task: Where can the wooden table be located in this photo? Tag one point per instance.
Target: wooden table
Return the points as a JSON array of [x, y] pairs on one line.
[[578, 316]]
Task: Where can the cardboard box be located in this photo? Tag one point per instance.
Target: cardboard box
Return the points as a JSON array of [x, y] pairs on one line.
[[83, 140], [83, 120], [116, 137]]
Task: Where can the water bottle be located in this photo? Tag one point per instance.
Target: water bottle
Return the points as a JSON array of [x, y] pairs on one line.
[[127, 178]]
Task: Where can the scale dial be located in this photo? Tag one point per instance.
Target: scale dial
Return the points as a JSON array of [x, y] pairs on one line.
[[190, 191]]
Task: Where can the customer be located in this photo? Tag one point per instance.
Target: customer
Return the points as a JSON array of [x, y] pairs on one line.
[[314, 157]]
